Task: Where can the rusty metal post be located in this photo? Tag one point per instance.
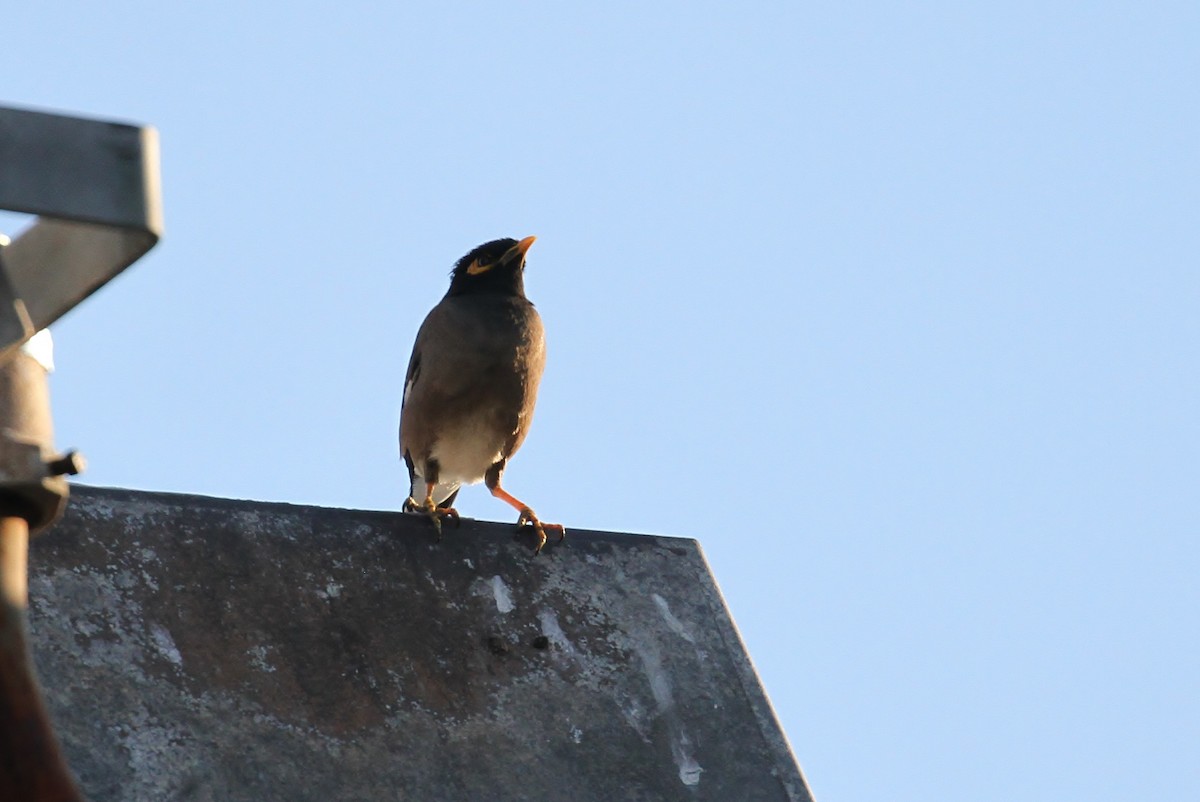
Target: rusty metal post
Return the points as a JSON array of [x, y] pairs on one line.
[[31, 763], [14, 558]]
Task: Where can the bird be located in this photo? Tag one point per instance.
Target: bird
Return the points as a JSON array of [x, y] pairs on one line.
[[471, 386]]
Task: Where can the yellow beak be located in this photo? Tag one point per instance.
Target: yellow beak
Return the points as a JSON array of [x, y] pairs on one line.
[[519, 249]]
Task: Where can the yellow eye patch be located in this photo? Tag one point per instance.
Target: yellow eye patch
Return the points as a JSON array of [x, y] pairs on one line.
[[474, 269]]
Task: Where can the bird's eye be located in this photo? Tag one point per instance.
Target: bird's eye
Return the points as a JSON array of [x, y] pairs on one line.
[[476, 267]]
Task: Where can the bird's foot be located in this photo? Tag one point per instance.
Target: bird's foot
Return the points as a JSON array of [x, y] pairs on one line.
[[529, 517], [433, 512]]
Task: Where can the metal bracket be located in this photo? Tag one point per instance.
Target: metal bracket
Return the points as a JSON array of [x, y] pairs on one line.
[[95, 186]]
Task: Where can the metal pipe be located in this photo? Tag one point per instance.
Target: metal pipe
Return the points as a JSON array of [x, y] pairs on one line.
[[32, 768], [14, 561], [31, 763]]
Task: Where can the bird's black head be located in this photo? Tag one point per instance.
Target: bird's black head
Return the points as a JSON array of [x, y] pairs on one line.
[[496, 267]]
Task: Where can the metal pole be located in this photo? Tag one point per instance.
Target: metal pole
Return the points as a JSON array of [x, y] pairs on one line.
[[14, 559], [31, 764]]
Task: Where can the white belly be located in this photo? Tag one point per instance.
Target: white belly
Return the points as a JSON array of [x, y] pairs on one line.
[[465, 452]]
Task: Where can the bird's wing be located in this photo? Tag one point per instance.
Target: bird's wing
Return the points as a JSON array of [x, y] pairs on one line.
[[447, 359]]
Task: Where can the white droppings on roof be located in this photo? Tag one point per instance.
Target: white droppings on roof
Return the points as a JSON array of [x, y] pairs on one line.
[[164, 644], [552, 630], [674, 623], [504, 602]]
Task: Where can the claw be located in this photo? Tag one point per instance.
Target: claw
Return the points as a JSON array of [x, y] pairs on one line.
[[433, 512], [529, 517]]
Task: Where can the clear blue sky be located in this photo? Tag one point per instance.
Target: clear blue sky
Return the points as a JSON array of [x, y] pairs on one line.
[[894, 307]]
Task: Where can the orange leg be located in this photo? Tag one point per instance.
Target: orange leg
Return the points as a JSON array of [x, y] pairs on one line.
[[431, 510], [528, 516]]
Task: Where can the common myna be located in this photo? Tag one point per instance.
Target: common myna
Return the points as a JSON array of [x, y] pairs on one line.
[[472, 384]]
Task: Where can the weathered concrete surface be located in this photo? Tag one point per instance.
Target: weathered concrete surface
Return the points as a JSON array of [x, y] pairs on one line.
[[206, 649]]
